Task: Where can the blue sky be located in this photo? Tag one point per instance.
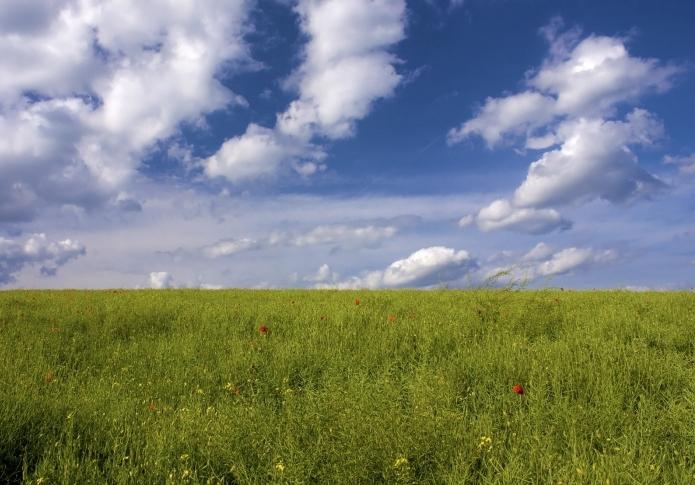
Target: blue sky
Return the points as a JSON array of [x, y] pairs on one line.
[[361, 144]]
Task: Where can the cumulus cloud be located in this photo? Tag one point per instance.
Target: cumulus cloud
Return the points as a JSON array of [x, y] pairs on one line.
[[566, 110], [501, 214], [580, 78], [36, 250], [323, 276], [594, 161], [539, 252], [519, 113], [572, 258], [161, 280], [543, 261], [424, 268], [260, 151], [90, 86], [346, 67], [227, 247]]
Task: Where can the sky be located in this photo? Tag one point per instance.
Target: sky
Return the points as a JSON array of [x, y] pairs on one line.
[[347, 144]]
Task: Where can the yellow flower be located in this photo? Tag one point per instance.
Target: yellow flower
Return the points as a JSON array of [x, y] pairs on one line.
[[402, 461], [280, 467], [485, 443]]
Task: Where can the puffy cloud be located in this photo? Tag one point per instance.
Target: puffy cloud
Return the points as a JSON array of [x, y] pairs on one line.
[[565, 111], [543, 261], [573, 258], [597, 74], [519, 113], [228, 247], [586, 78], [91, 86], [161, 280], [501, 214], [346, 68], [37, 249], [594, 161], [260, 151], [539, 252], [424, 268], [324, 275]]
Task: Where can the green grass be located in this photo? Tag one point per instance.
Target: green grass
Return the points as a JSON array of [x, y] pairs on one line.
[[179, 386]]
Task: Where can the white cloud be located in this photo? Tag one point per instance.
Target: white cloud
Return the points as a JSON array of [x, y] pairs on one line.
[[565, 111], [161, 280], [685, 164], [542, 262], [597, 74], [339, 235], [519, 113], [466, 220], [228, 247], [344, 235], [586, 78], [324, 275], [424, 268], [594, 161], [346, 68], [573, 258], [258, 152], [90, 86], [37, 249], [501, 214], [539, 252]]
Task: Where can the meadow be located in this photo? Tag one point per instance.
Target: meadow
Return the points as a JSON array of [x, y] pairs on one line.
[[347, 387]]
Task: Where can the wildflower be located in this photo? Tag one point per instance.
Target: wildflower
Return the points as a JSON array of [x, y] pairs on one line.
[[392, 318], [400, 462], [280, 467], [485, 443], [151, 406], [263, 330], [357, 301], [518, 389]]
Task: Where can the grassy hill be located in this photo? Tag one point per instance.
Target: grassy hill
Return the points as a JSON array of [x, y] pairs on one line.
[[347, 387]]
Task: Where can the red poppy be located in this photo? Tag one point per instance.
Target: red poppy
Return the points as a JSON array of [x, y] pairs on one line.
[[392, 318], [518, 389], [263, 330], [357, 301]]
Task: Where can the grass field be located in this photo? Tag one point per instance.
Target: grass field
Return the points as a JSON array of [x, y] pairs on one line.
[[404, 387]]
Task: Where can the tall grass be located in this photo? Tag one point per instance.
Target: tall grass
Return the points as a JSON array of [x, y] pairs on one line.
[[404, 387]]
